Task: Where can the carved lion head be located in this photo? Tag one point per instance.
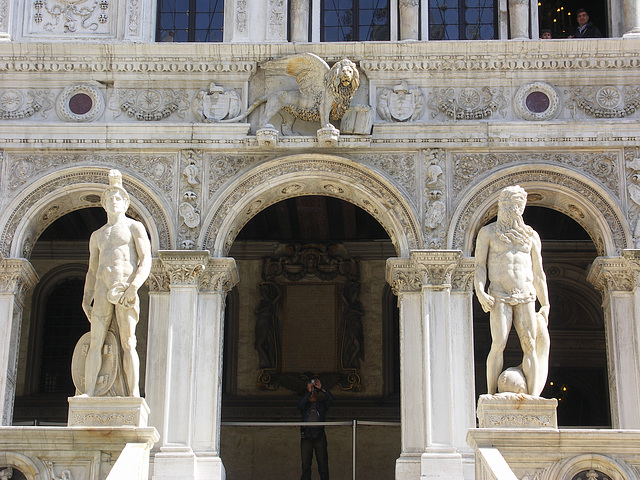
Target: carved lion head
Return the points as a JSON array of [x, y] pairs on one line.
[[345, 73]]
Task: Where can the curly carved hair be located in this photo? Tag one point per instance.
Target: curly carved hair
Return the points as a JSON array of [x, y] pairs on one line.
[[342, 94]]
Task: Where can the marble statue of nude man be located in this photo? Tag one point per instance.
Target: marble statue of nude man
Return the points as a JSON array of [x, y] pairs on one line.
[[510, 251], [119, 263]]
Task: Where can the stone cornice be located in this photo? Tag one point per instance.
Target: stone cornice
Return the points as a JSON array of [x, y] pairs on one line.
[[240, 59], [17, 276], [184, 266], [615, 274]]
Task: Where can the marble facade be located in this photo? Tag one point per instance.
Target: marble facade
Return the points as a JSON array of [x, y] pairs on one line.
[[452, 124]]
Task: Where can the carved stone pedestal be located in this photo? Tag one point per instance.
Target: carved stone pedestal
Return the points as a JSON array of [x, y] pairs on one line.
[[510, 410], [267, 137], [328, 136], [108, 412]]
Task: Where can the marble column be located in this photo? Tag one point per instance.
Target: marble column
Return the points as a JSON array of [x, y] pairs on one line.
[[300, 20], [157, 341], [218, 278], [17, 276], [519, 19], [436, 376], [617, 279], [409, 19], [631, 18]]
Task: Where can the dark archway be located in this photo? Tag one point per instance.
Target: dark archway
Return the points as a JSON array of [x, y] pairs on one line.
[[578, 363]]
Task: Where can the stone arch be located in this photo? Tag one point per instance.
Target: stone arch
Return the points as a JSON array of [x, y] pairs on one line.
[[568, 469], [311, 174], [64, 192], [31, 467], [556, 188]]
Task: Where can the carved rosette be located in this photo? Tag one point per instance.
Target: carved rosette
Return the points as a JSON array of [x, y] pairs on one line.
[[184, 267], [219, 276], [468, 103], [615, 274], [150, 105], [17, 277], [604, 102], [17, 104]]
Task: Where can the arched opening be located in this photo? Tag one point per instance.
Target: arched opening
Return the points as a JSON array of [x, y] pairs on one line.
[[315, 245], [53, 319], [578, 363]]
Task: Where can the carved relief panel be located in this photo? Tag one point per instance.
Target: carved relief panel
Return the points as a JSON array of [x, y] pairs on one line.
[[309, 319]]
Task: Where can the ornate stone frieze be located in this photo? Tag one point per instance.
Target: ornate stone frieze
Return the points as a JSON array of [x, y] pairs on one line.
[[134, 13], [276, 22], [241, 16], [601, 167], [157, 211], [536, 101], [183, 267], [71, 17], [216, 103], [400, 103], [80, 103], [351, 173], [224, 167], [190, 198], [608, 101], [150, 105], [434, 206], [158, 280], [400, 167], [552, 178], [18, 104], [220, 275], [26, 168], [468, 103]]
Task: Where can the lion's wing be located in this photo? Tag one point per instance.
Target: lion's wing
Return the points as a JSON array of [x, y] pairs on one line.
[[309, 70]]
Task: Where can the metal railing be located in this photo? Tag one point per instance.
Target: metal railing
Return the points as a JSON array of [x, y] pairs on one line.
[[353, 424]]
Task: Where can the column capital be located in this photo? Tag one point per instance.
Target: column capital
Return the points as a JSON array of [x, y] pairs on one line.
[[158, 277], [434, 269], [184, 266], [17, 276], [220, 275], [616, 274]]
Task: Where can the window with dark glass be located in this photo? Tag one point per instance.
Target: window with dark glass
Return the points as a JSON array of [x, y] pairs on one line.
[[354, 20], [462, 20], [190, 21]]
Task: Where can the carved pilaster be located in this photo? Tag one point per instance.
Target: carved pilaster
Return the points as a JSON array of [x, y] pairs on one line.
[[409, 15], [615, 274], [220, 275], [17, 276], [184, 266]]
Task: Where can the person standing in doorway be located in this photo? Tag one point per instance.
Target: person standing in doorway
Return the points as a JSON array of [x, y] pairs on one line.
[[585, 29], [313, 439]]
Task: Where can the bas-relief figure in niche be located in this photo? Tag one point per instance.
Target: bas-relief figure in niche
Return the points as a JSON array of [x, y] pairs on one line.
[[105, 361], [324, 93], [634, 193], [509, 252]]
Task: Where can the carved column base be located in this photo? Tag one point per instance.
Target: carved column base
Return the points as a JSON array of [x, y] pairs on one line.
[[328, 136], [267, 137], [510, 410], [107, 412]]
